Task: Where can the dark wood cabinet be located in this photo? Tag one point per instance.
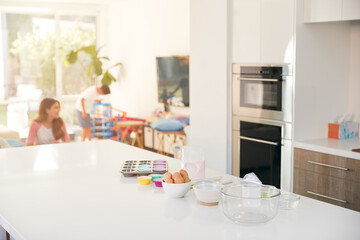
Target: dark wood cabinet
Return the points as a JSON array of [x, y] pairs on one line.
[[328, 178]]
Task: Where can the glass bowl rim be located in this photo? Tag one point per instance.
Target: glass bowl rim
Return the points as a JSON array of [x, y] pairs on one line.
[[262, 185], [290, 197]]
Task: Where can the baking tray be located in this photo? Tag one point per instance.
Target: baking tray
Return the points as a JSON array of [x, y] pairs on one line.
[[143, 167]]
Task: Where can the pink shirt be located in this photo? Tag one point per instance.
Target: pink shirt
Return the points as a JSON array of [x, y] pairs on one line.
[[39, 134]]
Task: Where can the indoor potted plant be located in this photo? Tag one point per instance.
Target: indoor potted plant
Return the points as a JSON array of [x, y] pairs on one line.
[[95, 67]]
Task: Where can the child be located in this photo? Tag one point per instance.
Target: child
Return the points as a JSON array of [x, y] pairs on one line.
[[48, 127], [84, 106]]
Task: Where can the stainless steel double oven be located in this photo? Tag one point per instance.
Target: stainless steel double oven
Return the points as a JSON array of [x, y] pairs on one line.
[[262, 123]]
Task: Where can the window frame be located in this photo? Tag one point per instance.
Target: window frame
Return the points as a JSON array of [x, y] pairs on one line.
[[99, 11], [58, 10]]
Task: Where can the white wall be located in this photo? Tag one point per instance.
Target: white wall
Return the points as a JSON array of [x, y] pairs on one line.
[[354, 73], [138, 32], [322, 75], [209, 84]]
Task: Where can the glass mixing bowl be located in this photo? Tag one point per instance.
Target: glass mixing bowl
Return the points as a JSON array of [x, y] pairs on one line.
[[250, 203]]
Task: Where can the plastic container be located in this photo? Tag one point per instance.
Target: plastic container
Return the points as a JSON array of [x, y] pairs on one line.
[[193, 161], [177, 151], [244, 203], [289, 201], [207, 192]]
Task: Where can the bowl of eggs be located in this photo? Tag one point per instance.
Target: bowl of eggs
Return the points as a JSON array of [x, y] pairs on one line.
[[176, 185]]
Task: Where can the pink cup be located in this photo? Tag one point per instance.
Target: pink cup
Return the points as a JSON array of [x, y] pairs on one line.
[[158, 182]]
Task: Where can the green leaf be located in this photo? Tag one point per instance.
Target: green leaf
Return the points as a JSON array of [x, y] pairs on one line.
[[108, 78], [117, 64], [72, 57], [98, 67], [113, 79], [91, 50], [66, 62], [90, 69], [106, 58]]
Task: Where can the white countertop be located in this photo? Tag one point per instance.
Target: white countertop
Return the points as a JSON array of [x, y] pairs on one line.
[[332, 146], [75, 191]]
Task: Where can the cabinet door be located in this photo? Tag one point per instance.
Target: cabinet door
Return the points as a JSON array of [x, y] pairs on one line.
[[351, 10], [169, 143], [170, 140], [322, 10], [277, 31], [148, 137], [328, 178], [263, 31], [157, 136], [333, 190], [326, 164], [246, 31]]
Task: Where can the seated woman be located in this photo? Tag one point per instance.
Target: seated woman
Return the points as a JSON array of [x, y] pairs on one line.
[[48, 127]]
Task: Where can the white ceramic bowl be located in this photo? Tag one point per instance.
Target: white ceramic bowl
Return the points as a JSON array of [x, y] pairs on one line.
[[208, 192], [177, 190]]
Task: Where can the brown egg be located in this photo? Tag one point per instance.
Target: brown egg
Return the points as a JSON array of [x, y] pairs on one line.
[[169, 181], [184, 173], [175, 175], [179, 179], [187, 179], [167, 175]]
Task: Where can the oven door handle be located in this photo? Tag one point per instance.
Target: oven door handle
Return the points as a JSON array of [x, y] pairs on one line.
[[260, 79], [259, 140]]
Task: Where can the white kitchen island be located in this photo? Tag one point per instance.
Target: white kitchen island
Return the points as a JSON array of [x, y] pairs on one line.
[[75, 191]]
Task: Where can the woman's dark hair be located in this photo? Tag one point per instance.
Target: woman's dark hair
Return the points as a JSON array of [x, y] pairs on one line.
[[105, 89], [57, 124], [58, 128]]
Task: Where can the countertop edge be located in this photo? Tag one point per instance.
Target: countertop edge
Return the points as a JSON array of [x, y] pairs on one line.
[[326, 150]]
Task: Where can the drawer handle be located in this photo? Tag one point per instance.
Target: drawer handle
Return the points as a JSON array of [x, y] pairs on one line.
[[327, 165], [324, 196]]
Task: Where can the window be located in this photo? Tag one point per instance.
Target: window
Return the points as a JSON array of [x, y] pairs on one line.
[[32, 49], [28, 51], [75, 33]]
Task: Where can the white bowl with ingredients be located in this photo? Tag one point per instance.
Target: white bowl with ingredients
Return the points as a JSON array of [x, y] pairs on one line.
[[207, 192], [177, 190]]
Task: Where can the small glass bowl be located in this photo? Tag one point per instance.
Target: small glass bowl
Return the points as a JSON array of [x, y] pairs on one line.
[[289, 201]]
